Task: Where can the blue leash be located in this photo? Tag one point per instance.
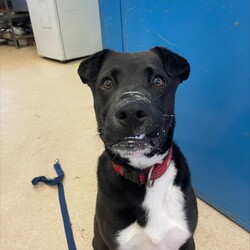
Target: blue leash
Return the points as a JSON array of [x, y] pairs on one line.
[[66, 220]]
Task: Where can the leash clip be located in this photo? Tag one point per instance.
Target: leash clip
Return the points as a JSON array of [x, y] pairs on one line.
[[150, 183], [56, 161]]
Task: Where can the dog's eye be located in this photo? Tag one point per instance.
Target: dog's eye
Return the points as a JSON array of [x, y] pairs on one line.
[[107, 83], [158, 81]]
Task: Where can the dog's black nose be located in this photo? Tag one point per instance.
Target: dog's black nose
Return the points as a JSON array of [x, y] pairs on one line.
[[132, 114]]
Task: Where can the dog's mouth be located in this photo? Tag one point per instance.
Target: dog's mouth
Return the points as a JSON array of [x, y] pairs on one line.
[[141, 142], [148, 141]]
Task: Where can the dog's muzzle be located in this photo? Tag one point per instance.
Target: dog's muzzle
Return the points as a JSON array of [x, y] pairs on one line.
[[135, 125]]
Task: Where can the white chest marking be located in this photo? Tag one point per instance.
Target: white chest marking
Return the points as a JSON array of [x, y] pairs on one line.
[[166, 228]]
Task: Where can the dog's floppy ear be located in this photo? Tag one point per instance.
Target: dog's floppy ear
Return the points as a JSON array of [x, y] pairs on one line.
[[90, 67], [175, 65]]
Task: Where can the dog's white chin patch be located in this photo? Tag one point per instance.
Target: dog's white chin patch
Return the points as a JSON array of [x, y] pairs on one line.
[[138, 159]]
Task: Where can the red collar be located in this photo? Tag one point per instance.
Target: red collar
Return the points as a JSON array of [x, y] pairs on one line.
[[142, 176]]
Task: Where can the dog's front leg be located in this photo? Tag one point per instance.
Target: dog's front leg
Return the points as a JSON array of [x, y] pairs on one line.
[[98, 242]]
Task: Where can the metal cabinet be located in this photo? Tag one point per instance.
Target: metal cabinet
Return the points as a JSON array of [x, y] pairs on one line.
[[212, 106], [12, 18]]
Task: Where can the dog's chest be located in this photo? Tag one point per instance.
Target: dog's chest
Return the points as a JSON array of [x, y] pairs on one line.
[[166, 226]]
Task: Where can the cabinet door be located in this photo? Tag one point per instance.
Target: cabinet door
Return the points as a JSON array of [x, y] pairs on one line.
[[80, 27], [212, 107], [46, 28]]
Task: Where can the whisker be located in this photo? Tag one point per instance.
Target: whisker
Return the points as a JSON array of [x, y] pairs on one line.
[[180, 108], [115, 156], [157, 97]]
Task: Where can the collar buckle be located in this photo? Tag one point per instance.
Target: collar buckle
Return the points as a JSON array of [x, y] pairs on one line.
[[133, 175]]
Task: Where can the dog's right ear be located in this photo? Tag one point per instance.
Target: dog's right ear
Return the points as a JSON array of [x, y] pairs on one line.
[[90, 67]]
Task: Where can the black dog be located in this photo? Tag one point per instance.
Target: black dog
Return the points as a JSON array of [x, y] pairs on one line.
[[145, 199]]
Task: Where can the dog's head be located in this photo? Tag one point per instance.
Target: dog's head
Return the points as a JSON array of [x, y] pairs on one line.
[[134, 98]]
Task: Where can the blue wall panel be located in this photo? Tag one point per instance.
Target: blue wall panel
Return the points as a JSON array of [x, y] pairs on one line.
[[212, 107], [111, 24]]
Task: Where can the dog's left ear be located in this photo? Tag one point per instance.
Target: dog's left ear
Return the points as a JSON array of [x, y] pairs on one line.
[[175, 65], [90, 67]]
